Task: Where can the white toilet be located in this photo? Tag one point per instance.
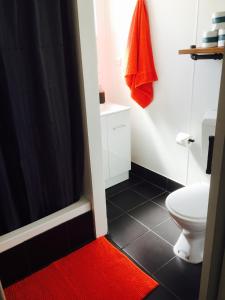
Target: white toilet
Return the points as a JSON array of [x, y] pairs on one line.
[[188, 208]]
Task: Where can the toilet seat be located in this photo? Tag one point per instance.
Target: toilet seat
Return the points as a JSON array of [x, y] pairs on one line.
[[190, 202]]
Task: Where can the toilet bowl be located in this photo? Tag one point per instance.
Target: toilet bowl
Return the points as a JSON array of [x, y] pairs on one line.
[[188, 208]]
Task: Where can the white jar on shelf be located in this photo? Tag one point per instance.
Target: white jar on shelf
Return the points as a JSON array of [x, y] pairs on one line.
[[221, 39], [210, 39], [218, 20]]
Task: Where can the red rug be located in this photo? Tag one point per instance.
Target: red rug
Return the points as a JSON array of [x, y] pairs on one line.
[[97, 271]]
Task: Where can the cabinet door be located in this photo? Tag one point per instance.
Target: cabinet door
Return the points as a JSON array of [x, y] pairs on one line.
[[119, 143], [105, 147]]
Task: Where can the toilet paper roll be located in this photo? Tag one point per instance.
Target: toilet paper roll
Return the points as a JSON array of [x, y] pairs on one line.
[[183, 138]]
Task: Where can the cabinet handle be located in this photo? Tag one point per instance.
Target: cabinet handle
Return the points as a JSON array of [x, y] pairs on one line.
[[119, 126]]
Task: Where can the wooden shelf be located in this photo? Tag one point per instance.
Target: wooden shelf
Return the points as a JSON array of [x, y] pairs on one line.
[[214, 50]]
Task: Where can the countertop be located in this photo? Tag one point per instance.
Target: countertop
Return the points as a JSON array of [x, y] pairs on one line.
[[111, 108]]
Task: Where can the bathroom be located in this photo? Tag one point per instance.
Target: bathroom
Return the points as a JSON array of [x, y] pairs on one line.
[[155, 159]]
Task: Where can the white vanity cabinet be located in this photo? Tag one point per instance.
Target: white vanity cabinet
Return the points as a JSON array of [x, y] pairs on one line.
[[115, 128]]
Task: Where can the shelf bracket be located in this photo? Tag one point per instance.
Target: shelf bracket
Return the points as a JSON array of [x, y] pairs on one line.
[[215, 56]]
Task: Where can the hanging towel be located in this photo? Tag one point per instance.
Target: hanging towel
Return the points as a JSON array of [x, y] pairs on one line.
[[140, 70]]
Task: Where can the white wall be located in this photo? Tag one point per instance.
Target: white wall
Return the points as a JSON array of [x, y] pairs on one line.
[[184, 92]]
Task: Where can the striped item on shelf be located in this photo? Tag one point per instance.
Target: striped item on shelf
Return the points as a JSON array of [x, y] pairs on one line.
[[218, 20], [210, 39], [221, 39]]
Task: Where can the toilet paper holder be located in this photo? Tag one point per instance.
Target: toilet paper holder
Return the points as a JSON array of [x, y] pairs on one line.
[[184, 139], [191, 140]]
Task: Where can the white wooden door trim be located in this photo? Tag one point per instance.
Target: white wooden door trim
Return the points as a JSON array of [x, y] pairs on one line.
[[94, 188], [215, 230]]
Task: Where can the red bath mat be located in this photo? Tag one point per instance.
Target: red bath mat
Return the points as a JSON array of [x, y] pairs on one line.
[[97, 271]]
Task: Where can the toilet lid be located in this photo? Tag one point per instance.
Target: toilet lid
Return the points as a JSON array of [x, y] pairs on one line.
[[190, 202]]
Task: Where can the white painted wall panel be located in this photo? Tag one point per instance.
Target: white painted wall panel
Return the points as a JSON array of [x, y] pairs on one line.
[[205, 91], [185, 89]]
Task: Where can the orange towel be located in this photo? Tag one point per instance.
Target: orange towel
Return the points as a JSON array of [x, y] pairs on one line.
[[140, 70]]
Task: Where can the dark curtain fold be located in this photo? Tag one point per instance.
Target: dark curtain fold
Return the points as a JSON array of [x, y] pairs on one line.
[[41, 138]]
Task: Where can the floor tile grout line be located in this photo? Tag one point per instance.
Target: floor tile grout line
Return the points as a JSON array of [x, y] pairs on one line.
[[138, 262], [117, 206], [132, 185], [147, 200], [156, 185], [151, 274], [114, 219], [161, 267], [139, 205], [149, 229], [124, 189], [159, 236], [126, 245], [167, 180], [122, 214], [164, 191], [126, 212], [161, 223], [147, 180], [132, 217], [159, 204]]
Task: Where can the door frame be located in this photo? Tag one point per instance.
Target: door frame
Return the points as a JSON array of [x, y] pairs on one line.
[[88, 75], [221, 292], [213, 269]]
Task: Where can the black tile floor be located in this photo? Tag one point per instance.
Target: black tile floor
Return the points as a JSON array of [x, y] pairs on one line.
[[140, 226]]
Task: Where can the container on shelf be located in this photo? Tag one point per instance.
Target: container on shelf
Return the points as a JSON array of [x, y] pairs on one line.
[[221, 40], [218, 20], [210, 39]]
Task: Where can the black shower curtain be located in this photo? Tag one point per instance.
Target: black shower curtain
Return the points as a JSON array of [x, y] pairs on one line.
[[41, 139]]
